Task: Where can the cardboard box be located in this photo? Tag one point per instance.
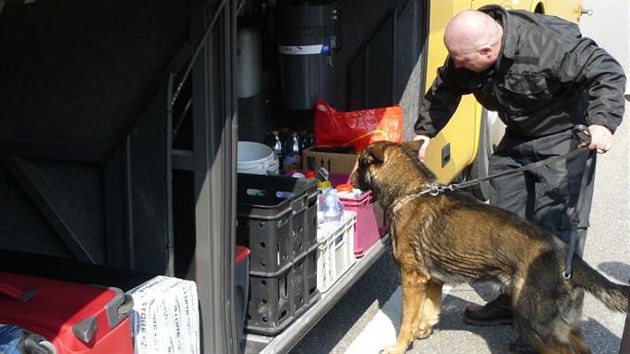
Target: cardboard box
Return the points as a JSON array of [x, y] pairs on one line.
[[338, 163]]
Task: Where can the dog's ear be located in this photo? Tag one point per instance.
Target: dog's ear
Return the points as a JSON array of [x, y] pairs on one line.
[[374, 154], [413, 145]]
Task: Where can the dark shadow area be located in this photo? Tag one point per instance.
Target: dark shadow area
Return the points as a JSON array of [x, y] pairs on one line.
[[83, 128], [496, 337], [619, 271], [70, 270], [599, 338], [486, 290]]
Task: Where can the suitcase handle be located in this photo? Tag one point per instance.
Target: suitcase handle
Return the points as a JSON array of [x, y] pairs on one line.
[[15, 293], [118, 308]]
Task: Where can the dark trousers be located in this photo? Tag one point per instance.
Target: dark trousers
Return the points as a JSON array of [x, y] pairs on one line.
[[547, 195], [625, 338]]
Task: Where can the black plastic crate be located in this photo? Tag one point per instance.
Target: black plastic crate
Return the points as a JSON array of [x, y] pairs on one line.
[[274, 302], [269, 242], [310, 232], [269, 306], [304, 228], [298, 232], [274, 216], [304, 282]]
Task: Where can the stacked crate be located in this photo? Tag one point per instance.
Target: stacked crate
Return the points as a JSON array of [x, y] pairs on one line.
[[335, 251], [277, 221]]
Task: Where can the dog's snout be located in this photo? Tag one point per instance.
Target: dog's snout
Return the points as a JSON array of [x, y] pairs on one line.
[[354, 179]]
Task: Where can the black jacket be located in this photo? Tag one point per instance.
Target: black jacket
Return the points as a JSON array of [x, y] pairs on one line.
[[547, 79]]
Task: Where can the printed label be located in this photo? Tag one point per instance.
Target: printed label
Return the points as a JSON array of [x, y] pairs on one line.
[[304, 49]]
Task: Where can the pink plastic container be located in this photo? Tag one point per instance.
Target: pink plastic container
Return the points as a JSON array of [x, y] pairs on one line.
[[370, 225]]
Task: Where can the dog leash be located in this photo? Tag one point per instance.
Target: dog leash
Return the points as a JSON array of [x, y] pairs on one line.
[[571, 210], [436, 188], [581, 133]]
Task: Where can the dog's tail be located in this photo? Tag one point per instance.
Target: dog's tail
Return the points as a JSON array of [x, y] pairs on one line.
[[615, 296]]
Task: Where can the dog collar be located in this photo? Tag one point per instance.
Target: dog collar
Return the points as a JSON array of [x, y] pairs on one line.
[[434, 189], [437, 188]]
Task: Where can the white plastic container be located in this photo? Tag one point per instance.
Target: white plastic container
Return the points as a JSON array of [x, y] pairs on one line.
[[335, 251], [256, 158]]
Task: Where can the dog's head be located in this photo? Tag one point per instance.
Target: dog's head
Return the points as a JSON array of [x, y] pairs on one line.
[[390, 168]]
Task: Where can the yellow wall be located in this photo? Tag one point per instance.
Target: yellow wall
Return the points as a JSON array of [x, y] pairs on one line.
[[462, 130]]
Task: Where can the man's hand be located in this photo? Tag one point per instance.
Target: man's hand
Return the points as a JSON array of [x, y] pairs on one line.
[[601, 138], [423, 148]]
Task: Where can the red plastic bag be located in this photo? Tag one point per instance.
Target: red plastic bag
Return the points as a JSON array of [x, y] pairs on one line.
[[357, 128]]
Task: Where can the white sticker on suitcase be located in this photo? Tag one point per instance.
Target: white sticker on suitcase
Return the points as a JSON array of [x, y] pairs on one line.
[[165, 316]]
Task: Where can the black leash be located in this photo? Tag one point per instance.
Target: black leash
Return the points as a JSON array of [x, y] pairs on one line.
[[581, 133], [528, 167], [572, 210]]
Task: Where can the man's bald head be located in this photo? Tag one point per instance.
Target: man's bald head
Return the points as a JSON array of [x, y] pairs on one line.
[[470, 30], [473, 40]]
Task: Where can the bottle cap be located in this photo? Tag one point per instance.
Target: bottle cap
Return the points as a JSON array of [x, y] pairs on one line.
[[323, 185], [345, 187]]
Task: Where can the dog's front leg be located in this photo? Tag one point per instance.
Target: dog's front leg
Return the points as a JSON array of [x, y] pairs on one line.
[[429, 310], [413, 294]]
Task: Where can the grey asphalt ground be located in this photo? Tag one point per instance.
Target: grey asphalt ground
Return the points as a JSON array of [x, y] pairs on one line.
[[607, 247]]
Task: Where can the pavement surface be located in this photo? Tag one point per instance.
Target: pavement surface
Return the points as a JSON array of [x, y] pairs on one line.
[[367, 318]]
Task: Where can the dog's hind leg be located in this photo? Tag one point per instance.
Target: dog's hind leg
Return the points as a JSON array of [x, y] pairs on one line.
[[429, 310], [544, 345], [545, 337], [413, 287], [578, 342], [555, 347], [540, 326]]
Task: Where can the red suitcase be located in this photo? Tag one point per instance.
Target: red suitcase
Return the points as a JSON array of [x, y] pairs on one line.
[[76, 318]]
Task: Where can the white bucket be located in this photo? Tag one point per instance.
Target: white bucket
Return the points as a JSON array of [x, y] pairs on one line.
[[256, 158]]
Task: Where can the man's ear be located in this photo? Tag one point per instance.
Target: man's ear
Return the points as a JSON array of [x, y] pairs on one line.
[[413, 145], [486, 51]]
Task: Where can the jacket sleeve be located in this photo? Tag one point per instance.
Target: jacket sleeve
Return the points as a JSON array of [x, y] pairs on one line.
[[439, 102], [595, 71]]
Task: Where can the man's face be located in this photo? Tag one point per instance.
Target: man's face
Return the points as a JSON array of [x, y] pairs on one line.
[[476, 61]]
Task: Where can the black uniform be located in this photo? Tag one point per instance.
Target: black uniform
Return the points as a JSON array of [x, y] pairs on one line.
[[625, 338], [547, 79]]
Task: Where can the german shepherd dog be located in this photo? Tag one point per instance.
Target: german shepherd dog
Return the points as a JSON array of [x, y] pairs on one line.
[[452, 237]]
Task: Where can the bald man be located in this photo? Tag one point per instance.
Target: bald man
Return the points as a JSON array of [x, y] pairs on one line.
[[473, 40], [542, 77]]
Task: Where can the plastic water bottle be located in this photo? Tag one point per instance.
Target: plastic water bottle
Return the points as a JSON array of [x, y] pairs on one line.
[[292, 159], [276, 144], [332, 207]]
